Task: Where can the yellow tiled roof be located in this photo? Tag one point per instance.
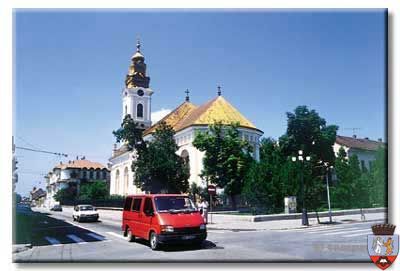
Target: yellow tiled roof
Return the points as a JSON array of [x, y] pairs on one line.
[[173, 118], [216, 110]]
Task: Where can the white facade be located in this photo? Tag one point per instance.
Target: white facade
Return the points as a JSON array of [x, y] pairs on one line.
[[119, 185], [63, 178], [365, 157], [136, 102]]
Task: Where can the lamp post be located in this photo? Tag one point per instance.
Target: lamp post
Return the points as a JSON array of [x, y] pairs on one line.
[[300, 158], [327, 190]]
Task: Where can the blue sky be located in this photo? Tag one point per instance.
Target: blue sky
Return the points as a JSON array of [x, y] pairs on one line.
[[70, 69]]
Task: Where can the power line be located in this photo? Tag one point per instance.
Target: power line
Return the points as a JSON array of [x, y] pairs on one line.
[[42, 151]]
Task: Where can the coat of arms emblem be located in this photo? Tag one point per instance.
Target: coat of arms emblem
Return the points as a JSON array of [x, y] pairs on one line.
[[383, 245]]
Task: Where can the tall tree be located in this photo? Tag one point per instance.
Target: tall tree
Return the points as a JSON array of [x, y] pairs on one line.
[[263, 188], [129, 133], [307, 131], [379, 179], [227, 157], [157, 167]]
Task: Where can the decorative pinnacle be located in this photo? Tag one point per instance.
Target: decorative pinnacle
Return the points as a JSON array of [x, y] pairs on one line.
[[187, 95], [138, 45], [219, 90]]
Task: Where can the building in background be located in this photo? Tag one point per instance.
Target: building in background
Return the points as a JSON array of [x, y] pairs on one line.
[[187, 119], [14, 167], [72, 175], [37, 197], [364, 148]]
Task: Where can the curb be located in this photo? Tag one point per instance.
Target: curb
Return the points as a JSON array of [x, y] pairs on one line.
[[21, 247]]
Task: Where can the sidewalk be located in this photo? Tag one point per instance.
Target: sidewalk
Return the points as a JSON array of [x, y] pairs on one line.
[[223, 222], [239, 223]]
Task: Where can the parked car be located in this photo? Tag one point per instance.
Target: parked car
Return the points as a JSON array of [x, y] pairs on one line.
[[56, 208], [85, 212], [162, 219]]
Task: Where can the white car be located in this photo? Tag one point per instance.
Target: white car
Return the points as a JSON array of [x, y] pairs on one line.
[[85, 212]]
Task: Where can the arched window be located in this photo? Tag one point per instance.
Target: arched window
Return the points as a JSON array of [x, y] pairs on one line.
[[185, 156], [126, 110], [117, 182], [126, 181], [139, 111]]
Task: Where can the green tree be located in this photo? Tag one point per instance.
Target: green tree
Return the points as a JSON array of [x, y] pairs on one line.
[[158, 168], [379, 181], [263, 188], [93, 191], [129, 132], [227, 157], [307, 131], [65, 194]]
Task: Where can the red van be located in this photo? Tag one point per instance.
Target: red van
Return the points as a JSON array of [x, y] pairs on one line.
[[162, 218]]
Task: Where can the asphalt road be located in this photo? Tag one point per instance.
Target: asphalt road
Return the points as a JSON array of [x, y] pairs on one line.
[[70, 241]]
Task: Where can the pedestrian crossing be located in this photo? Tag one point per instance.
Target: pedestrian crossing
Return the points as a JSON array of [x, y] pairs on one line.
[[71, 238], [350, 230]]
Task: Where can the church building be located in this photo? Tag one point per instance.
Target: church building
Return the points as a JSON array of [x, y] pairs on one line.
[[186, 119]]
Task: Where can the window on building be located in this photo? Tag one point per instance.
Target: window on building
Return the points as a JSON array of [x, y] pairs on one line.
[[126, 110], [363, 165], [117, 182], [104, 174], [84, 176], [139, 111], [136, 205], [91, 175]]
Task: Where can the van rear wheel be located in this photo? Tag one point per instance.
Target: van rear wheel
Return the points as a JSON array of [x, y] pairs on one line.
[[154, 244], [129, 236]]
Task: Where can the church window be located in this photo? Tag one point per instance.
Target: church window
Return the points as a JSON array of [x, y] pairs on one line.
[[117, 182], [126, 110], [126, 181], [139, 111]]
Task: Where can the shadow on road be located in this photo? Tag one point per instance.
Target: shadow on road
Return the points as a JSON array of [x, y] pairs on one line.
[[39, 229], [181, 247]]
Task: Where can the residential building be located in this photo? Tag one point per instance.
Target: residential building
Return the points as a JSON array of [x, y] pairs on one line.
[[364, 148], [72, 175], [37, 197]]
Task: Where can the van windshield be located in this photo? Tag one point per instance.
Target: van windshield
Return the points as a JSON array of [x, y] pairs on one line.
[[174, 204]]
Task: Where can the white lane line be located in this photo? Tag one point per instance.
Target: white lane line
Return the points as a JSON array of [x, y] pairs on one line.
[[52, 240], [75, 238], [82, 227], [357, 234], [332, 230], [346, 232], [95, 236], [115, 234]]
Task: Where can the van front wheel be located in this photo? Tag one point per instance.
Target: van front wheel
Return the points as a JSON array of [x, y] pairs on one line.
[[154, 244]]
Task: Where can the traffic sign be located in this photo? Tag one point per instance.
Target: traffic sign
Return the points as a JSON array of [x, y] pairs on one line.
[[212, 189]]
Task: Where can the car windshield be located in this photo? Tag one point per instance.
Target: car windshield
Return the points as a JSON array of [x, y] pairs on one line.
[[174, 204], [86, 208]]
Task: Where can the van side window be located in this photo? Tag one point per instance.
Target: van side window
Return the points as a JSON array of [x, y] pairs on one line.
[[136, 205], [128, 203], [148, 206]]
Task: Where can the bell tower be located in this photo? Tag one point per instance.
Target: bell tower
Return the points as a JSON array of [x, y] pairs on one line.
[[136, 96]]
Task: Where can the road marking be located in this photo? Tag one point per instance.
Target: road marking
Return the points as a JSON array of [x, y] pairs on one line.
[[115, 234], [80, 226], [356, 234], [347, 231], [52, 241], [75, 238], [96, 236]]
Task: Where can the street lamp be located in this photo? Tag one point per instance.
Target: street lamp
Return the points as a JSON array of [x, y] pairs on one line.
[[327, 190], [300, 158]]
